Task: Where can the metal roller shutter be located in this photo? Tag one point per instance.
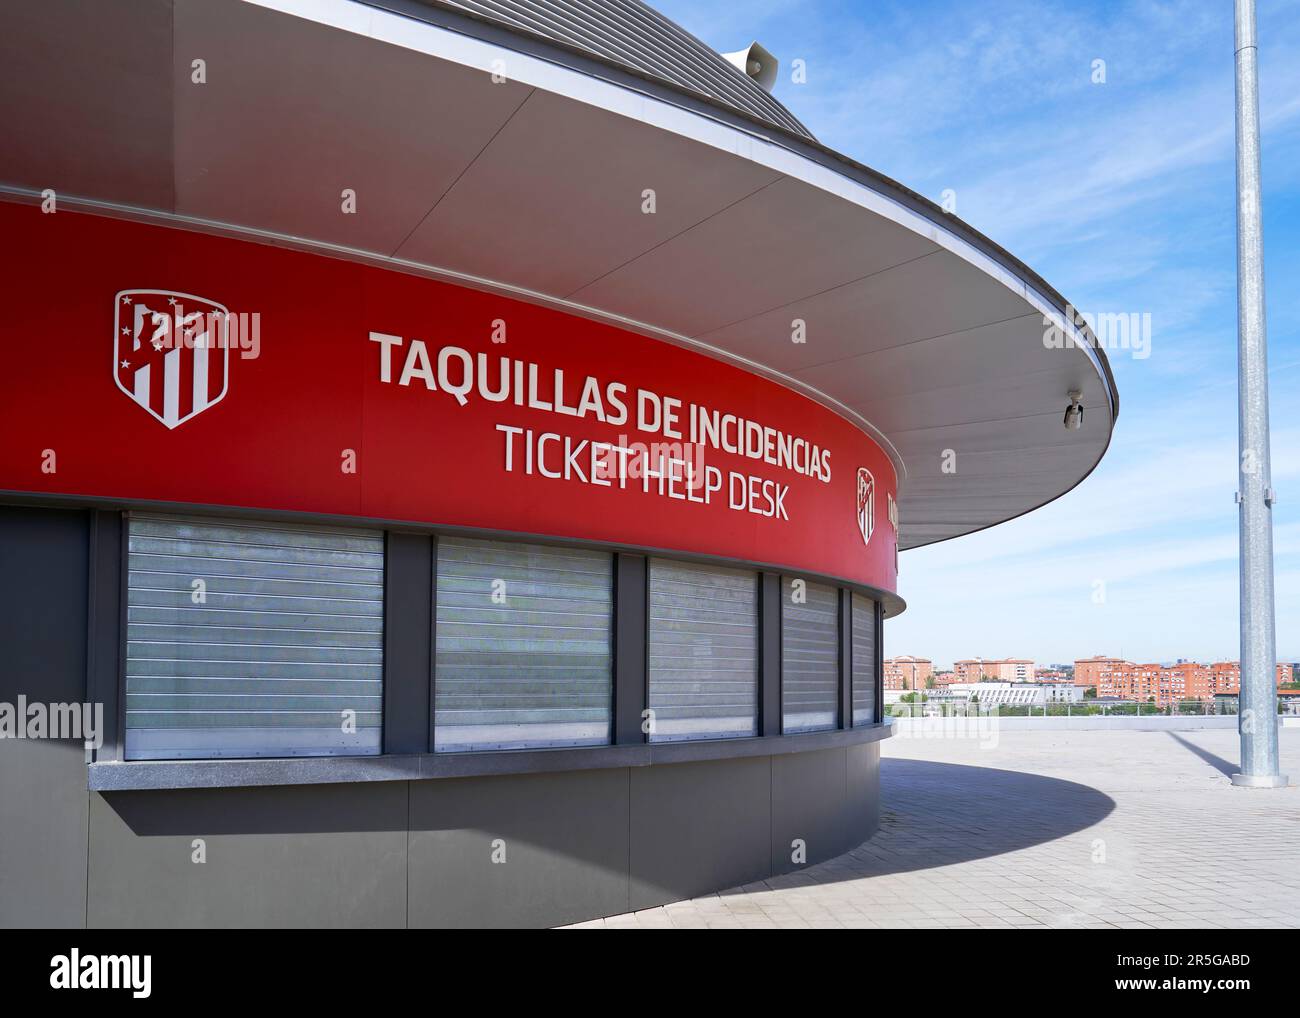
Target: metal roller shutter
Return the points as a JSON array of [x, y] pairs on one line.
[[864, 660], [810, 657], [252, 639], [703, 644], [523, 646]]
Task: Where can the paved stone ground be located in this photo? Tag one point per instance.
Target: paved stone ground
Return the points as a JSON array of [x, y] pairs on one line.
[[1051, 829]]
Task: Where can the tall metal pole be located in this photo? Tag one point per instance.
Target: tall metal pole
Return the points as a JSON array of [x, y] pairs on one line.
[[1257, 718]]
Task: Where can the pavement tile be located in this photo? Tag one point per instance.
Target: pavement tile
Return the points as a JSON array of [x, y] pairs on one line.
[[1046, 829]]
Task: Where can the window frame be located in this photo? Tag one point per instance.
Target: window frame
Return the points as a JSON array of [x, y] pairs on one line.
[[407, 750], [837, 615], [756, 620], [611, 633], [261, 525]]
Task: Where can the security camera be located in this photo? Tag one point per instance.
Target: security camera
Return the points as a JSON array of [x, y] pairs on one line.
[[1074, 412]]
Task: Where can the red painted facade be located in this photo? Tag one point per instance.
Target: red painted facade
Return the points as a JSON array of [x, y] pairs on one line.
[[340, 412]]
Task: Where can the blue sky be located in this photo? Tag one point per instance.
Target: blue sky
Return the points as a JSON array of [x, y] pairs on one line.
[[1122, 196]]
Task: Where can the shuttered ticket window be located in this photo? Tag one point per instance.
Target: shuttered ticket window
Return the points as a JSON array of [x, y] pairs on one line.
[[864, 660], [810, 655], [523, 646], [249, 639], [703, 644]]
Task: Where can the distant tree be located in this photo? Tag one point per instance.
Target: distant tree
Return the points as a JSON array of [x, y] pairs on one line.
[[1090, 693], [929, 682]]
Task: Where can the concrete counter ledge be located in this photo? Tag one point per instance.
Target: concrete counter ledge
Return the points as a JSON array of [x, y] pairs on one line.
[[171, 774]]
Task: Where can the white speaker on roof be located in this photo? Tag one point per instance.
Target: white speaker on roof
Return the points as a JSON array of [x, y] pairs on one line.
[[756, 62]]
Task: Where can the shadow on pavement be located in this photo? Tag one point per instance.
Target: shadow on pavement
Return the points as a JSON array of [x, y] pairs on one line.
[[936, 814], [1217, 762]]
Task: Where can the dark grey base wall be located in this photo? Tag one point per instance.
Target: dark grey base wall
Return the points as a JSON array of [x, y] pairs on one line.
[[583, 844], [43, 798], [576, 844]]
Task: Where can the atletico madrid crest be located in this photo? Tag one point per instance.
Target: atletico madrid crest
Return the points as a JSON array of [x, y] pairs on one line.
[[866, 503], [171, 352]]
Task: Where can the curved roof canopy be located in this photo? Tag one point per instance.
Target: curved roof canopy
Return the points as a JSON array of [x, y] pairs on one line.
[[634, 37], [514, 156]]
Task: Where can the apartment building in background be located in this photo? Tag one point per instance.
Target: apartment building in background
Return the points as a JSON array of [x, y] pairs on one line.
[[908, 672], [1165, 684], [1090, 671], [1011, 669]]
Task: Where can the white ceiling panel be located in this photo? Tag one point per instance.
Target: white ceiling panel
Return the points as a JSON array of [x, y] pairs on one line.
[[513, 209], [935, 295], [293, 113], [1031, 396], [785, 242], [953, 359], [86, 99]]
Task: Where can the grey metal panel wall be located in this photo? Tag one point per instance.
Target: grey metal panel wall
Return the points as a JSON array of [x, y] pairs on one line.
[[105, 612], [844, 704], [769, 657], [318, 856], [864, 660], [880, 664], [630, 687], [810, 656], [44, 559], [523, 645], [696, 826], [862, 809], [633, 35], [703, 651], [408, 600], [514, 850], [519, 850], [812, 818], [286, 637]]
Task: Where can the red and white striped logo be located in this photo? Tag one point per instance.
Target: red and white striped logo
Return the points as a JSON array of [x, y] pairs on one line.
[[171, 352], [866, 504]]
